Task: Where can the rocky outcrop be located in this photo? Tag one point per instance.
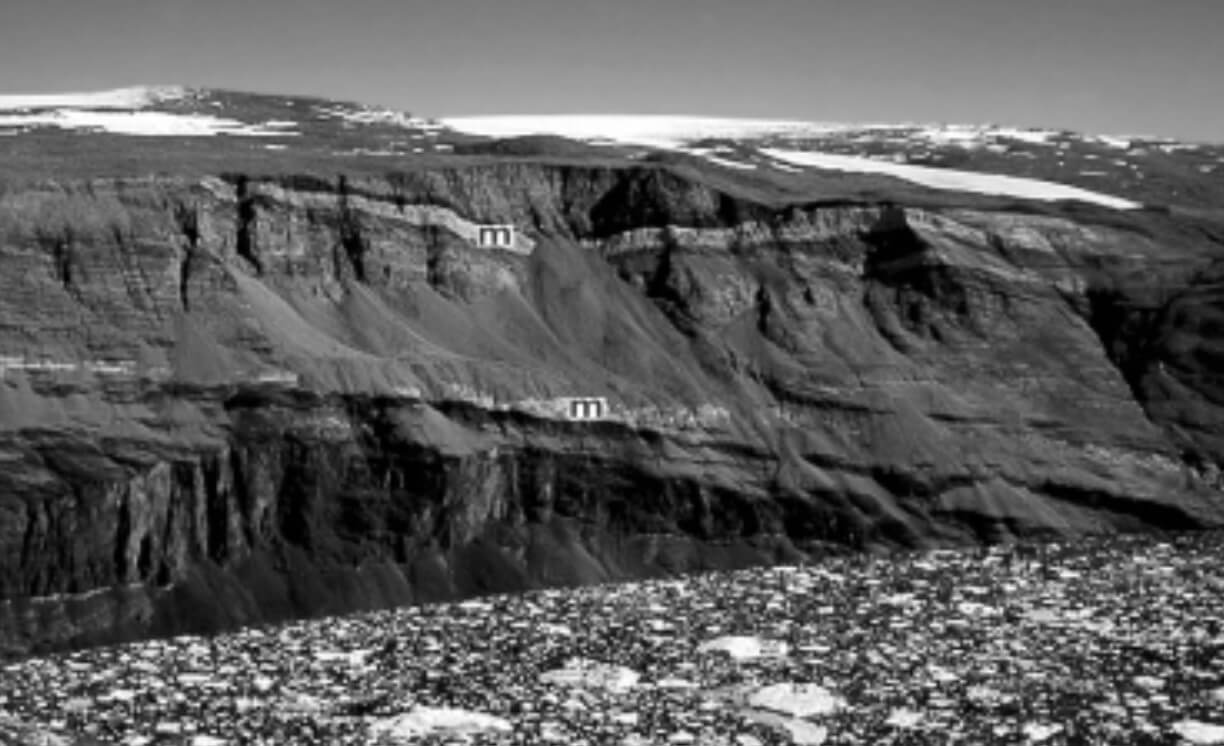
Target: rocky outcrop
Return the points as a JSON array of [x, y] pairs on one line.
[[240, 399]]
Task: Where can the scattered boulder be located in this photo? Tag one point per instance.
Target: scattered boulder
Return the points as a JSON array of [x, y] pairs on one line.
[[797, 699], [745, 647], [589, 674], [426, 721], [1198, 732]]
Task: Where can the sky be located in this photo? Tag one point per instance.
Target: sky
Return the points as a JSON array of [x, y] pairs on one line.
[[1103, 66]]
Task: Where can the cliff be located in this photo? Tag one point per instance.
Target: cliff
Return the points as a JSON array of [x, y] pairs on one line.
[[241, 398]]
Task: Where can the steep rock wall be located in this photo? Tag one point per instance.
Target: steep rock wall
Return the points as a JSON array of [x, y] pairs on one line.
[[242, 399]]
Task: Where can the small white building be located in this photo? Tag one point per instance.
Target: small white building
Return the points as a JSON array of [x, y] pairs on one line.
[[586, 408], [495, 236]]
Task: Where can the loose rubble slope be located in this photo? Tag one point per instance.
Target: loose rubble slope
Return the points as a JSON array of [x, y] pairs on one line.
[[1111, 641]]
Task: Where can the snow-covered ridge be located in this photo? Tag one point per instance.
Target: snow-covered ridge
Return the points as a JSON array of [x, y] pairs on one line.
[[135, 97]]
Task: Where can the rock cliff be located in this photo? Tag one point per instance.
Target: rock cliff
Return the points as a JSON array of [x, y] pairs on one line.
[[240, 398]]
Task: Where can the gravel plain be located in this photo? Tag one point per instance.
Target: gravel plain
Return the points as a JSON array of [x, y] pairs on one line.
[[1100, 641]]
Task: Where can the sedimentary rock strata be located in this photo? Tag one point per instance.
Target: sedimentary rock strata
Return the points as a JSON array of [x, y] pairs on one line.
[[242, 396]]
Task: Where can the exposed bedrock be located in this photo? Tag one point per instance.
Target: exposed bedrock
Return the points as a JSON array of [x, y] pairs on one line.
[[244, 399]]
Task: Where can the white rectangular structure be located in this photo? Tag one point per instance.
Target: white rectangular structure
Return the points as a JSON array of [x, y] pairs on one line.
[[495, 236], [586, 408]]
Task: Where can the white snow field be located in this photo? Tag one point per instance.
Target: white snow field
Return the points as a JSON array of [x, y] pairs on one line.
[[950, 179], [141, 123], [653, 130], [673, 132], [135, 97], [123, 111]]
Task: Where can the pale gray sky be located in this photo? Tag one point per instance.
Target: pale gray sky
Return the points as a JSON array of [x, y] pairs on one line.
[[1108, 66]]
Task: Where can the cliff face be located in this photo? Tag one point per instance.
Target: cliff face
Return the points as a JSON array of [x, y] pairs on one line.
[[240, 399]]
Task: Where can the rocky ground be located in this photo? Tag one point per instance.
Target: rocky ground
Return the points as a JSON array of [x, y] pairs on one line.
[[1113, 640]]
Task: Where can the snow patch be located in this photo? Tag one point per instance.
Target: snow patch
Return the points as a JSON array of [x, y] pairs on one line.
[[672, 132], [951, 134], [140, 123], [1122, 143], [972, 135], [722, 161], [785, 167], [660, 131], [1031, 136], [136, 97], [951, 179], [374, 115]]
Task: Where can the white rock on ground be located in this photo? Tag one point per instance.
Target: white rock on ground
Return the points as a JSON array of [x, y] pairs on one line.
[[1199, 732], [904, 719], [803, 733], [1149, 682], [589, 674], [941, 674], [796, 699], [672, 682], [1039, 732], [425, 721], [355, 658], [301, 704], [745, 647]]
